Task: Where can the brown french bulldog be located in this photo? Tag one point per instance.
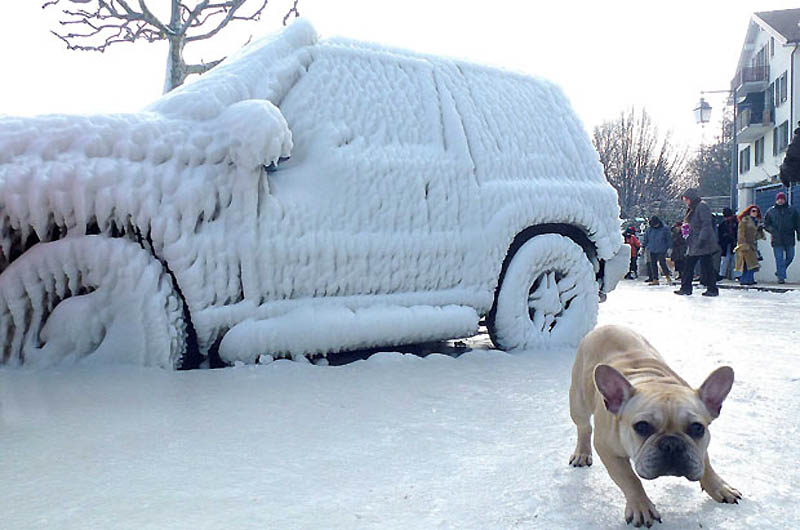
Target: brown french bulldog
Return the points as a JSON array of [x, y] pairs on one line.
[[646, 414]]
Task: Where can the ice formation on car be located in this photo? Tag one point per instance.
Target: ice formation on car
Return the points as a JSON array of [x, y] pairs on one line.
[[299, 177]]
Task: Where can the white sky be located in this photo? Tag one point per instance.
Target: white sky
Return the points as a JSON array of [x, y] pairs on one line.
[[606, 55]]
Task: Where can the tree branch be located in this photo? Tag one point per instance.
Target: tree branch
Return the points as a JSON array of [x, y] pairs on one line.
[[202, 67], [292, 10], [152, 19], [107, 22], [230, 9], [193, 14]]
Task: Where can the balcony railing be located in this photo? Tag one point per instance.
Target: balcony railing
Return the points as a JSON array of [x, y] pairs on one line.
[[750, 124], [748, 117], [750, 74]]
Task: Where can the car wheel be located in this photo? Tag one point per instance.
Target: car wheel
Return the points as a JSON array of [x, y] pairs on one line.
[[548, 296], [91, 296]]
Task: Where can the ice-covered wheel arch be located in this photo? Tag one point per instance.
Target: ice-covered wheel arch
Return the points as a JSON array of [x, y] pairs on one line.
[[548, 295], [91, 296]]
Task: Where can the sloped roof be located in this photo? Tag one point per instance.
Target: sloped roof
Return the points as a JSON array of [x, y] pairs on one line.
[[784, 21]]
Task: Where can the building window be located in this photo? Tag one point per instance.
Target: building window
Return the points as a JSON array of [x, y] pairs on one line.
[[775, 147], [772, 46], [760, 58], [783, 136], [784, 88], [759, 151], [781, 89], [744, 160], [776, 92]]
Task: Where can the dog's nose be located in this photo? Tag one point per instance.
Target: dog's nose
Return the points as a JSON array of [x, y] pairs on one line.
[[671, 445]]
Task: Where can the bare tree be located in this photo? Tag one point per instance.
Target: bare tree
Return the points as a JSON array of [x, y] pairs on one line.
[[97, 24], [711, 164], [646, 169]]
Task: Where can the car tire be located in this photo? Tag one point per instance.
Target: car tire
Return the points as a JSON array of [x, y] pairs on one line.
[[548, 296], [91, 296]]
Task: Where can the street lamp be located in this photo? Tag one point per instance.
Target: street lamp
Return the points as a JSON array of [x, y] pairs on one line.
[[702, 114]]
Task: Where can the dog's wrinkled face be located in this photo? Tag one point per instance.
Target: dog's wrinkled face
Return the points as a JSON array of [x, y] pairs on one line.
[[665, 432], [663, 426]]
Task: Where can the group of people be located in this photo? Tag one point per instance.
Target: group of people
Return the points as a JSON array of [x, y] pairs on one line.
[[727, 250]]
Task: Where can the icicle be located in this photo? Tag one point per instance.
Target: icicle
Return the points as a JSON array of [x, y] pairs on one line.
[[5, 237], [17, 306]]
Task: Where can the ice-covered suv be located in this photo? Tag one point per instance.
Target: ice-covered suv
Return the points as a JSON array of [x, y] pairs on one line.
[[302, 198]]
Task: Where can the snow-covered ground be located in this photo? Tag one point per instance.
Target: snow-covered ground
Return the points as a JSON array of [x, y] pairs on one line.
[[396, 441]]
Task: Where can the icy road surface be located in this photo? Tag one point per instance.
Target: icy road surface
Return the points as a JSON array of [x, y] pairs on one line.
[[396, 441]]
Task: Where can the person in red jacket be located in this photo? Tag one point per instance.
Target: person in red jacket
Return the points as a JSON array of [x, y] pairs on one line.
[[633, 241]]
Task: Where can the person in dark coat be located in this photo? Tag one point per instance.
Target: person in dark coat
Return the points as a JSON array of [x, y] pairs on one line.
[[726, 235], [678, 249], [657, 241], [701, 243], [790, 168], [716, 256], [783, 223]]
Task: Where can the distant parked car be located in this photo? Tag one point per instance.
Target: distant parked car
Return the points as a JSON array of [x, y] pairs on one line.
[[302, 198]]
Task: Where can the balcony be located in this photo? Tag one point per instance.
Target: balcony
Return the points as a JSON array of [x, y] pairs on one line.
[[752, 124], [751, 79]]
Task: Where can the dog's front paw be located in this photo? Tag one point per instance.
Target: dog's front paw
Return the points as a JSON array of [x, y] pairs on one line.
[[580, 459], [721, 491], [641, 512]]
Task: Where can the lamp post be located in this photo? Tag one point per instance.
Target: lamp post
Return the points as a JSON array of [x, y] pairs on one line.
[[702, 115]]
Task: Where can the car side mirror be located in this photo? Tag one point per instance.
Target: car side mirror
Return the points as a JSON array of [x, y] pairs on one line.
[[255, 133]]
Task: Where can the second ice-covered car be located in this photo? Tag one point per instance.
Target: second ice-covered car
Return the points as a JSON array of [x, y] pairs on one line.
[[302, 198]]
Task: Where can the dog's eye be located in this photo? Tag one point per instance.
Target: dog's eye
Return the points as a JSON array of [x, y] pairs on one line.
[[643, 428], [696, 430]]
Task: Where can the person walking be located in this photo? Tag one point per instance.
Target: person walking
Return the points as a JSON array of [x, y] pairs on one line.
[[750, 230], [678, 249], [783, 223], [633, 241], [656, 241], [701, 243], [727, 236]]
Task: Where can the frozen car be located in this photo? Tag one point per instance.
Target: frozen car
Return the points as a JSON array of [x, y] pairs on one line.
[[305, 197]]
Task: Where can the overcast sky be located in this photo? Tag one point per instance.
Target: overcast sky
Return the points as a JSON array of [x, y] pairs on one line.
[[606, 55]]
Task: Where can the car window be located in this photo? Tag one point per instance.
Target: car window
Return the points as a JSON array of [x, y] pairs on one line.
[[376, 98], [521, 121]]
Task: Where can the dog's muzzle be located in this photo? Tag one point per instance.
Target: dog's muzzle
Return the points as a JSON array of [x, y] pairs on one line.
[[670, 456]]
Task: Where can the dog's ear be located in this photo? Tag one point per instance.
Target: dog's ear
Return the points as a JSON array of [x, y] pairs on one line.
[[616, 390], [715, 389]]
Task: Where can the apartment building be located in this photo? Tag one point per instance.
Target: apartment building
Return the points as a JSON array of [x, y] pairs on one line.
[[767, 101], [766, 89]]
